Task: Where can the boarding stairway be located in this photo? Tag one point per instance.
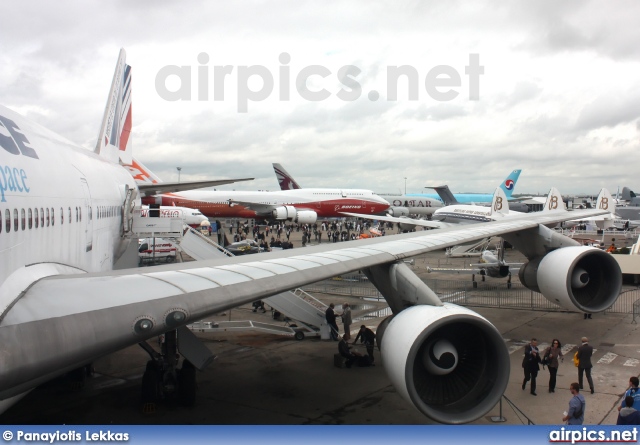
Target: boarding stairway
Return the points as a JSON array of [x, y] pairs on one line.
[[200, 247], [306, 313], [468, 250]]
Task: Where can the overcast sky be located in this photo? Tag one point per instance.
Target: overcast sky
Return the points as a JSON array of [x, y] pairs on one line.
[[559, 96]]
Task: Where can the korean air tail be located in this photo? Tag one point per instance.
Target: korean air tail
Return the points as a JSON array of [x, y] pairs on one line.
[[285, 179], [509, 184], [113, 140]]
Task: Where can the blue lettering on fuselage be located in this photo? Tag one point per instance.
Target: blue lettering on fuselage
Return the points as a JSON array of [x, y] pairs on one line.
[[15, 142], [13, 180]]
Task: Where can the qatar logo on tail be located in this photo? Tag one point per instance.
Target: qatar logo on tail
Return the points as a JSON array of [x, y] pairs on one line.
[[509, 184], [284, 179]]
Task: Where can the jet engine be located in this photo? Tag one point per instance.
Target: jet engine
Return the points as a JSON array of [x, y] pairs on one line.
[[577, 278], [449, 362], [290, 213], [398, 211]]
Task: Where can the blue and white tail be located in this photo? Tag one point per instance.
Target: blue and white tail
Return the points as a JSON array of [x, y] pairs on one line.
[[113, 140], [509, 184]]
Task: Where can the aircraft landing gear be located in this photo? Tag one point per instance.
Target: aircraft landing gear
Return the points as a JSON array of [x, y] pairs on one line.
[[509, 281], [163, 380]]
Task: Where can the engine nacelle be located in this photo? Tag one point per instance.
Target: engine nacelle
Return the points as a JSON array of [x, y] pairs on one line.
[[449, 362], [286, 213], [306, 217], [290, 213], [577, 278], [398, 211]]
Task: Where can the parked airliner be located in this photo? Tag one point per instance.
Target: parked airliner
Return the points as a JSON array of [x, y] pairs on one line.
[[302, 206]]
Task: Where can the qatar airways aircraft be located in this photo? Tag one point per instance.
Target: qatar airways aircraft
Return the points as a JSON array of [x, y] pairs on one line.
[[302, 206], [67, 217]]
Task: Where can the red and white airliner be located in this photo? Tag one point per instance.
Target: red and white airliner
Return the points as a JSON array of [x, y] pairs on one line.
[[303, 206]]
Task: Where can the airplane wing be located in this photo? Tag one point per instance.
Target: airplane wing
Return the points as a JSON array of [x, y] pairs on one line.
[[259, 208], [148, 189], [401, 220], [76, 318]]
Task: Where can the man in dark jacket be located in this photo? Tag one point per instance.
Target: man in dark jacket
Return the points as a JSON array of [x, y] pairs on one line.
[[584, 355], [330, 316], [368, 337], [530, 365]]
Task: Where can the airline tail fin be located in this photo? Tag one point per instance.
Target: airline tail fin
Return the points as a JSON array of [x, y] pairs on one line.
[[142, 174], [499, 203], [445, 195], [605, 201], [554, 201], [509, 184], [627, 194], [285, 179], [113, 139]]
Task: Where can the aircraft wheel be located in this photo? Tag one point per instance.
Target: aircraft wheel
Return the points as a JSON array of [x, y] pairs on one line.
[[299, 335], [187, 384], [475, 284], [151, 391], [508, 285]]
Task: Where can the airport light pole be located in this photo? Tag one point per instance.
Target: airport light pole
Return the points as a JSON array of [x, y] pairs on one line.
[[179, 170], [405, 185]]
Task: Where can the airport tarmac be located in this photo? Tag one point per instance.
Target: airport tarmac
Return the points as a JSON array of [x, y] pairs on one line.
[[269, 379]]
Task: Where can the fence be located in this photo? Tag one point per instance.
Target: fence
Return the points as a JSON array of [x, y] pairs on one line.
[[463, 293]]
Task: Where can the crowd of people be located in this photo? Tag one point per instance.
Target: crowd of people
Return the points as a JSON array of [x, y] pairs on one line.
[[278, 235], [552, 356]]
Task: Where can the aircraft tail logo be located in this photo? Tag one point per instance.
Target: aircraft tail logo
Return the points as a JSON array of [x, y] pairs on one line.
[[499, 204], [509, 184], [284, 178], [142, 174]]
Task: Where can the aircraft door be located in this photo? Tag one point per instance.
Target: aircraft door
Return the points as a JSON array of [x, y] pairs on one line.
[[87, 215]]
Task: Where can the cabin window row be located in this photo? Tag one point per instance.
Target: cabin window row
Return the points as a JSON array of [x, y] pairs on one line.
[[44, 217]]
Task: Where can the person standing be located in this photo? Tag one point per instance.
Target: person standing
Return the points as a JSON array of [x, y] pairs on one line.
[[346, 320], [584, 355], [577, 407], [552, 354], [330, 316], [530, 365]]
